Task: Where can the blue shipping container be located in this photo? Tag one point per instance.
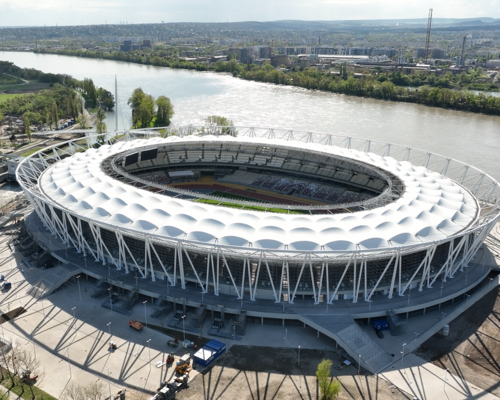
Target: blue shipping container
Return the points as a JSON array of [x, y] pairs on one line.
[[209, 353]]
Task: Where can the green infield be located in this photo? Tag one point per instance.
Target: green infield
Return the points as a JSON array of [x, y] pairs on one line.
[[241, 206]]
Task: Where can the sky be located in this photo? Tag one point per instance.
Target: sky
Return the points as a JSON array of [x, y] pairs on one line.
[[76, 12]]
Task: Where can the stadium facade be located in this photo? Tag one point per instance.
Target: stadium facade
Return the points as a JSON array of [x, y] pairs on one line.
[[350, 219]]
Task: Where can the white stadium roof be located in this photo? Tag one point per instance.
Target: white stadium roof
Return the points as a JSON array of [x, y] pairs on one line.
[[432, 207]]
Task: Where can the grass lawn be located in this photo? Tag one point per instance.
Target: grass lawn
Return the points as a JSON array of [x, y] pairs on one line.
[[253, 208], [25, 390], [6, 96], [31, 151], [33, 86]]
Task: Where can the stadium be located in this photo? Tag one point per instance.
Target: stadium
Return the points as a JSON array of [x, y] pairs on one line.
[[265, 214]]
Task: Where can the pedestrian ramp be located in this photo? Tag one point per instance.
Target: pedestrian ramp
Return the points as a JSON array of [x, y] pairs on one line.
[[345, 331], [52, 279]]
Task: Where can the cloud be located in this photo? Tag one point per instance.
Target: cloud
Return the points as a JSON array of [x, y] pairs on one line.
[[39, 12]]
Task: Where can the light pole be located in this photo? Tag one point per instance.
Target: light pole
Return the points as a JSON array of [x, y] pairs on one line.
[[69, 363], [74, 315], [183, 328], [416, 335], [149, 345], [286, 336], [467, 295], [444, 315], [402, 355], [298, 358], [234, 335], [109, 326], [33, 343], [109, 384], [145, 316], [110, 300], [79, 290], [359, 364], [445, 375]]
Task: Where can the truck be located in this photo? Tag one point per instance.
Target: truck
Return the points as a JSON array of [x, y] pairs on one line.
[[167, 391], [135, 325]]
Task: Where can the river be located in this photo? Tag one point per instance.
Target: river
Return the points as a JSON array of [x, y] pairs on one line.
[[471, 138]]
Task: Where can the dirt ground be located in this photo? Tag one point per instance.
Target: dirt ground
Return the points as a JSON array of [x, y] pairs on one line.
[[472, 349], [251, 373]]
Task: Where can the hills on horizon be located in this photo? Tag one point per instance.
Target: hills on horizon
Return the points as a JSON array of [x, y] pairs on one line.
[[317, 24]]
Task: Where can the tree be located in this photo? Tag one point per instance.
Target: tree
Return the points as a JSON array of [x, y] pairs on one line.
[[83, 120], [106, 98], [100, 114], [135, 102], [227, 125], [27, 129], [328, 388], [165, 111], [146, 111], [1, 118], [92, 391], [54, 114]]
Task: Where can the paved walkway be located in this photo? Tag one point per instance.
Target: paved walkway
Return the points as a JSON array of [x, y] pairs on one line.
[[425, 381]]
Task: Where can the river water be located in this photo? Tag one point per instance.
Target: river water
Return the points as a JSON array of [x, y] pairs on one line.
[[471, 138]]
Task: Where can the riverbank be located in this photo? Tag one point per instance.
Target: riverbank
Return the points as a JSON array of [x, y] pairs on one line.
[[375, 86]]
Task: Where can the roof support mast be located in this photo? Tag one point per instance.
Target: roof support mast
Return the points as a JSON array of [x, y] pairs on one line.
[[428, 37]]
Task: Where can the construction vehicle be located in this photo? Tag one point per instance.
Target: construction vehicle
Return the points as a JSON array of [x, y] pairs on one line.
[[167, 391], [170, 358], [135, 325], [173, 343], [183, 365], [183, 369]]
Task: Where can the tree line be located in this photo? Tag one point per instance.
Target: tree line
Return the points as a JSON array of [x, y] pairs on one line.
[[431, 90], [61, 100]]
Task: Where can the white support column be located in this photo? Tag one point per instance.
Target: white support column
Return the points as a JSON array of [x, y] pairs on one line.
[[172, 283], [381, 277], [444, 171], [147, 257], [194, 269], [249, 269], [231, 276], [298, 280], [217, 286], [288, 280], [394, 272], [179, 257], [209, 255], [422, 263], [256, 283], [281, 280], [313, 283], [327, 283], [353, 258], [357, 284], [444, 267], [276, 298], [321, 282], [245, 261]]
